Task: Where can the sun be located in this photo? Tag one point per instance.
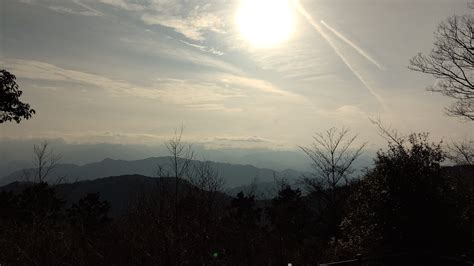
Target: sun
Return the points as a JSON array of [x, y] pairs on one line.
[[265, 23]]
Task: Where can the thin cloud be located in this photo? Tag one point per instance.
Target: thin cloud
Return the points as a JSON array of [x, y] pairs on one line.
[[353, 45], [89, 11], [353, 69], [210, 92], [253, 139], [152, 46], [36, 70], [182, 92], [203, 48], [193, 22], [258, 84], [123, 4], [66, 10], [242, 142], [192, 27]]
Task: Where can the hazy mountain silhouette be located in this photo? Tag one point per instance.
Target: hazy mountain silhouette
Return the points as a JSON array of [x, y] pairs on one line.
[[233, 174], [119, 191], [17, 155], [7, 168]]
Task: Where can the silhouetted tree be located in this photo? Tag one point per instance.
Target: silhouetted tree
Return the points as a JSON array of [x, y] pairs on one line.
[[332, 154], [243, 234], [89, 230], [208, 181], [405, 203], [32, 233], [11, 108], [40, 202], [90, 213], [289, 217], [462, 152], [180, 163], [45, 160], [451, 62]]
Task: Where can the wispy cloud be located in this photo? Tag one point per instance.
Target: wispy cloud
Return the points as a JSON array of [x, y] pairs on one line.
[[158, 47], [193, 26], [193, 22], [174, 91], [87, 10], [36, 70], [252, 139], [140, 138], [203, 48], [210, 92], [337, 50], [353, 45], [96, 137], [347, 112], [67, 10], [86, 6], [242, 142], [259, 84], [123, 4], [192, 94]]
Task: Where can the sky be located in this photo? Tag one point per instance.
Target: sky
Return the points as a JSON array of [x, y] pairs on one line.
[[131, 71]]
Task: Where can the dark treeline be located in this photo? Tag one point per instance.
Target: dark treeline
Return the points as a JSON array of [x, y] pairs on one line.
[[408, 208]]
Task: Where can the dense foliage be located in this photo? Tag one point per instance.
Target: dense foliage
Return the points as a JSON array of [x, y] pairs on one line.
[[407, 204], [11, 108]]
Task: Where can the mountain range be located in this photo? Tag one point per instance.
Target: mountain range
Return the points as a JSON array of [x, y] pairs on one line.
[[234, 175], [16, 154]]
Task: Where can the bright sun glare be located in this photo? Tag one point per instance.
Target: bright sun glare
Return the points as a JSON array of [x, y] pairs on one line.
[[265, 23]]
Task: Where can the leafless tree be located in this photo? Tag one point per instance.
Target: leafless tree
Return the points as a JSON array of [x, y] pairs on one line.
[[451, 62], [332, 155], [461, 153], [205, 177], [181, 155], [387, 132], [197, 185], [209, 185], [180, 160], [44, 161]]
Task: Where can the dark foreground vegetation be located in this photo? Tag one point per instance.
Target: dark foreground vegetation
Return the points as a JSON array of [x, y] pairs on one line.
[[407, 209]]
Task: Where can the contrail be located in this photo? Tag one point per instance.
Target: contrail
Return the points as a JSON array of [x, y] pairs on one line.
[[353, 45], [318, 28]]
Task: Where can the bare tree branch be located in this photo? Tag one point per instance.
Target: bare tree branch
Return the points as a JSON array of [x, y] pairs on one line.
[[45, 161], [451, 62], [332, 155], [462, 152]]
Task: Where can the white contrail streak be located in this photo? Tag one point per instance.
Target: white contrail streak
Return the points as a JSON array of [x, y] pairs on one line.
[[353, 45], [318, 28]]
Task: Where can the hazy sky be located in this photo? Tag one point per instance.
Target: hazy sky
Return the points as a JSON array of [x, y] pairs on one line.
[[129, 71]]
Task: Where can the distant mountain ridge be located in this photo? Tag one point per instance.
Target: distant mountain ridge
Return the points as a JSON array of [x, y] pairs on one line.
[[233, 174], [119, 191], [16, 154]]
